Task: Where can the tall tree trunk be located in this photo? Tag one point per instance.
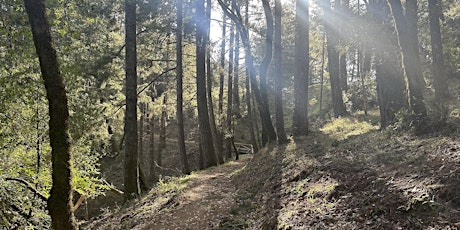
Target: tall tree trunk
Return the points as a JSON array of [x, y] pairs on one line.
[[162, 140], [236, 76], [60, 201], [142, 177], [344, 5], [203, 113], [131, 157], [141, 135], [367, 59], [302, 59], [263, 68], [439, 74], [222, 66], [251, 118], [406, 27], [333, 62], [179, 89], [152, 177], [228, 123], [323, 51], [217, 141], [264, 111], [279, 122], [221, 81], [389, 76], [343, 72]]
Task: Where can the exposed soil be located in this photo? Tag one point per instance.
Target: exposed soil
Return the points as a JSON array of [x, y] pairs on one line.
[[370, 181], [205, 199], [373, 180]]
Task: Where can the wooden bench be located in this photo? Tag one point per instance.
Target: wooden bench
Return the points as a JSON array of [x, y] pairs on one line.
[[244, 148]]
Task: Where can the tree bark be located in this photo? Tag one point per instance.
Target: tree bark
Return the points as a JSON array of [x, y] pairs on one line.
[[179, 89], [279, 122], [236, 76], [251, 118], [323, 51], [390, 79], [302, 59], [344, 5], [203, 113], [60, 204], [221, 82], [222, 65], [141, 135], [268, 55], [162, 139], [333, 62], [439, 74], [131, 144], [406, 28], [142, 172], [228, 120], [152, 176], [217, 141]]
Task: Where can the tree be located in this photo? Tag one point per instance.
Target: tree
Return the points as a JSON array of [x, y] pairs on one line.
[[439, 73], [333, 60], [209, 79], [280, 131], [131, 136], [203, 113], [406, 28], [344, 4], [228, 121], [60, 204], [388, 71], [236, 76], [179, 88], [263, 68], [264, 111], [248, 92], [162, 139], [300, 117]]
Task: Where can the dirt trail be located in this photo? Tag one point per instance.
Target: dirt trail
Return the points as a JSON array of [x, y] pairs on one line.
[[207, 199]]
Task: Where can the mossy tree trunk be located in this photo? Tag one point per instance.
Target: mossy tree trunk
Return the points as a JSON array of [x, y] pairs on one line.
[[388, 70], [60, 201], [439, 73], [406, 28]]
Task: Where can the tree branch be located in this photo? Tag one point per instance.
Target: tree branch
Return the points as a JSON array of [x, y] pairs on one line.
[[28, 186]]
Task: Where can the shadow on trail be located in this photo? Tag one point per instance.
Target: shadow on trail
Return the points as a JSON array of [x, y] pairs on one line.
[[256, 207], [391, 184]]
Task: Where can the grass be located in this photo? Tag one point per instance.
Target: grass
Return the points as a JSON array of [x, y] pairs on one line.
[[345, 127], [173, 184]]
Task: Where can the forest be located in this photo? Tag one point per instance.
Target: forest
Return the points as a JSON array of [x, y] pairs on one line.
[[230, 114]]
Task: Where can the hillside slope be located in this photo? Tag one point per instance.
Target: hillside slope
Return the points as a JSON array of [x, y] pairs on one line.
[[346, 176]]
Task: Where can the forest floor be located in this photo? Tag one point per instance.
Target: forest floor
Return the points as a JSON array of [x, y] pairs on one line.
[[346, 175], [198, 201]]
